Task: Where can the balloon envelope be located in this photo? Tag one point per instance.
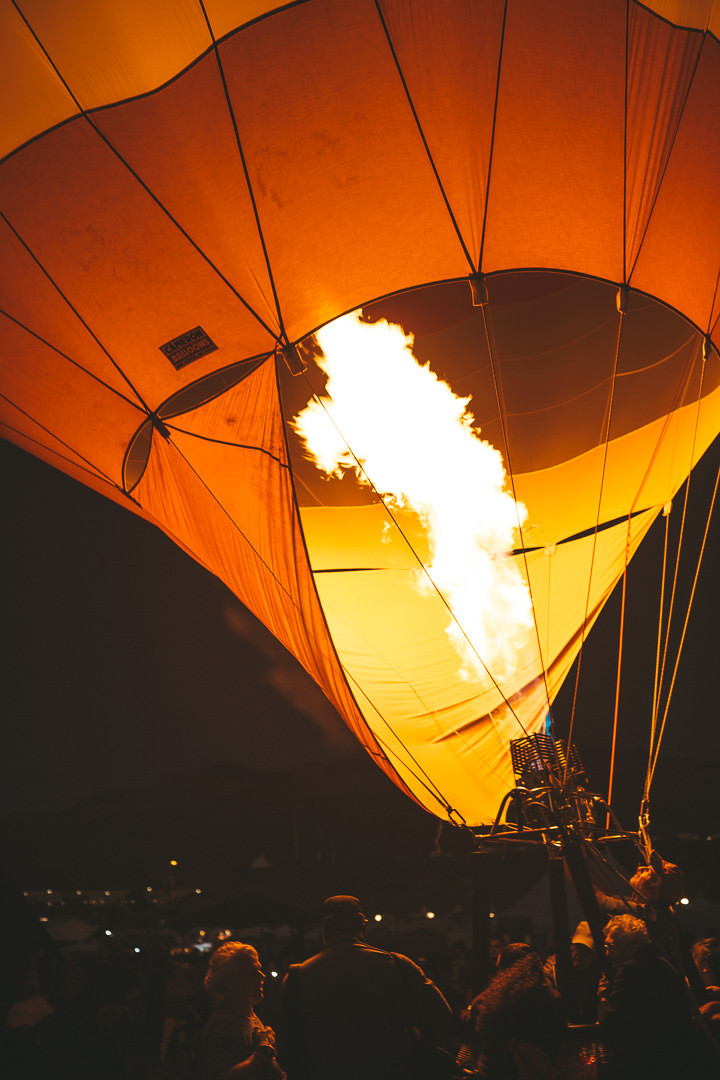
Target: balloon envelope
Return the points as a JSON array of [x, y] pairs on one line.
[[184, 196]]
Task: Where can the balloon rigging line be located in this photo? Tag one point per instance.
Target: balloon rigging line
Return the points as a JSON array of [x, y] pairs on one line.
[[606, 444], [415, 554], [639, 898], [501, 53], [657, 682], [126, 164], [451, 732], [77, 314], [615, 873], [549, 600], [680, 394], [430, 158], [431, 787], [661, 178], [655, 745], [685, 626], [91, 467], [658, 650], [235, 525], [75, 363], [612, 872], [671, 606], [502, 413], [233, 120], [616, 710]]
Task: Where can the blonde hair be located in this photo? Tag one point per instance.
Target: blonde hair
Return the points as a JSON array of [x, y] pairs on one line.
[[628, 928], [225, 962]]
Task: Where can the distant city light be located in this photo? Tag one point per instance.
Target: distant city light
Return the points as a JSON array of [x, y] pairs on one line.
[[274, 974], [378, 918], [108, 933], [49, 892], [149, 888], [491, 914], [429, 914], [107, 892], [136, 949], [198, 891], [173, 862], [684, 900], [78, 892]]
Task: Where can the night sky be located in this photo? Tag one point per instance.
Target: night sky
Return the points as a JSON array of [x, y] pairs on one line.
[[124, 661]]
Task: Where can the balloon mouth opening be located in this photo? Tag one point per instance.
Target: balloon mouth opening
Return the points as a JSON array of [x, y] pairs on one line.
[[535, 351], [436, 469]]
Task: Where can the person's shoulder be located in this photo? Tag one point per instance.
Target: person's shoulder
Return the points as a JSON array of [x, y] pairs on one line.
[[406, 963], [303, 965]]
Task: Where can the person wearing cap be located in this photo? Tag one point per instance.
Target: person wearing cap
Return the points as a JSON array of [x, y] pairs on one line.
[[355, 1011]]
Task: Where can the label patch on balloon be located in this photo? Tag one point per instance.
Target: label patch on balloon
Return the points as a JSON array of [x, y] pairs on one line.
[[190, 346]]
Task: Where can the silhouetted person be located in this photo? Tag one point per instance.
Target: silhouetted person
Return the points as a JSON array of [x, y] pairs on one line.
[[580, 1000], [645, 1011], [706, 957], [656, 886], [353, 1011], [518, 1021], [236, 1045]]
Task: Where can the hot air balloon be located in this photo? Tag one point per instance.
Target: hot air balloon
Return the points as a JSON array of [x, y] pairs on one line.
[[399, 317]]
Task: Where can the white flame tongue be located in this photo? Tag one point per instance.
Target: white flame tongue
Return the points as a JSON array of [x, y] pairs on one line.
[[402, 430]]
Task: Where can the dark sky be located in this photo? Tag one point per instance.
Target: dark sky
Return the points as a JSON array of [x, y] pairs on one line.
[[125, 661]]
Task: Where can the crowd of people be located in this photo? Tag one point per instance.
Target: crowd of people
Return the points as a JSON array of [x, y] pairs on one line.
[[353, 1011]]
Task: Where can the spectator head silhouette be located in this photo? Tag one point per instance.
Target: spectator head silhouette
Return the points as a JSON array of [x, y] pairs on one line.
[[235, 975], [625, 935], [342, 916]]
